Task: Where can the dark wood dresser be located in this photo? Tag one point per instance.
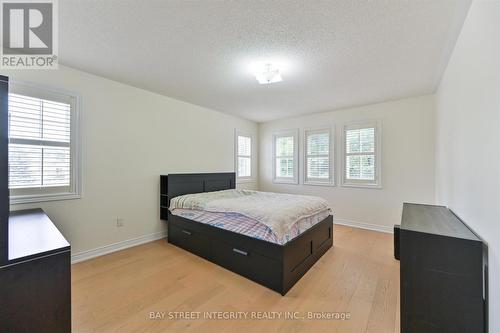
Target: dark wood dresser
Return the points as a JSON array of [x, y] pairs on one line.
[[4, 168], [35, 284], [444, 283]]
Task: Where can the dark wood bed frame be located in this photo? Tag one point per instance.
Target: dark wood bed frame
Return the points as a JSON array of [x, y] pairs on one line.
[[275, 266]]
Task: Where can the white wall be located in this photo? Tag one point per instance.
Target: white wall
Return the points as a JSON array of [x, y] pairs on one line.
[[468, 139], [407, 160], [131, 137]]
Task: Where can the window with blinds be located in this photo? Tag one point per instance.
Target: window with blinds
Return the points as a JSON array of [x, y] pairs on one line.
[[318, 161], [361, 155], [244, 156], [41, 145], [285, 157]]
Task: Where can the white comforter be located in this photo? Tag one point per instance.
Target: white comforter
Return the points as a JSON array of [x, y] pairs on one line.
[[277, 211]]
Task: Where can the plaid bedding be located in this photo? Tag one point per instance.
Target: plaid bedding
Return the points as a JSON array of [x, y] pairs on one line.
[[244, 225], [279, 212]]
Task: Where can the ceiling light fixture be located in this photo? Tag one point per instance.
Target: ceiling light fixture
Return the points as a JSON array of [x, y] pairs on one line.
[[269, 75]]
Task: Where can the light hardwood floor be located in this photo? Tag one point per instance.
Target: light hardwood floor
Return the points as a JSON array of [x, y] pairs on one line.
[[117, 292]]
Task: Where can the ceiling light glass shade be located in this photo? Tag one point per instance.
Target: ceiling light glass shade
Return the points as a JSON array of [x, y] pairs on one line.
[[269, 75]]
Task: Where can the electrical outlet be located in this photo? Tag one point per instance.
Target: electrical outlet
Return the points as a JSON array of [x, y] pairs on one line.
[[119, 222]]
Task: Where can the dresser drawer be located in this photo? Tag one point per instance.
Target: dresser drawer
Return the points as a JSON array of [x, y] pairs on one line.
[[190, 240], [247, 263]]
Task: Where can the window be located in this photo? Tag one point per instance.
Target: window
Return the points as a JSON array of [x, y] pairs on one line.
[[361, 155], [43, 145], [244, 157], [285, 154], [318, 160]]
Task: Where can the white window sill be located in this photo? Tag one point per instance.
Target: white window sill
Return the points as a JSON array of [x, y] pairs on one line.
[[286, 181], [316, 183], [24, 199], [361, 185]]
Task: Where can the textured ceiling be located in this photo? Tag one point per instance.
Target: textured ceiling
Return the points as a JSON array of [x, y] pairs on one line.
[[333, 54]]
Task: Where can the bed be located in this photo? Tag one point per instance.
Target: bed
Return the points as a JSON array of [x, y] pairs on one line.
[[276, 261]]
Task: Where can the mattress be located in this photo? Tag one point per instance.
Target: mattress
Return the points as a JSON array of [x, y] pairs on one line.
[[274, 217], [249, 227]]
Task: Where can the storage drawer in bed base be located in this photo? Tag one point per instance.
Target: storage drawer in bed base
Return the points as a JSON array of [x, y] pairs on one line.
[[275, 266], [190, 240]]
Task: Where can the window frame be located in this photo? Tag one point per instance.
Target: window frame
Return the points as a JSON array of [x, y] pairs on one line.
[[377, 153], [75, 188], [253, 164], [286, 180], [331, 181]]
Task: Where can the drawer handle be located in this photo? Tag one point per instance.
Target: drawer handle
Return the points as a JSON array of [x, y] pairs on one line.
[[240, 252], [187, 232]]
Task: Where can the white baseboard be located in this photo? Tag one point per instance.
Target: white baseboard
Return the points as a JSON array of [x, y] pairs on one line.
[[363, 225], [100, 251]]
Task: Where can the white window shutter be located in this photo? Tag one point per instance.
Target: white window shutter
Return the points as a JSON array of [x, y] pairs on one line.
[[244, 156], [285, 157], [39, 143], [362, 154]]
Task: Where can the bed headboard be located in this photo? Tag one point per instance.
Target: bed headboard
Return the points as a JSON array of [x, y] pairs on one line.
[[173, 185]]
